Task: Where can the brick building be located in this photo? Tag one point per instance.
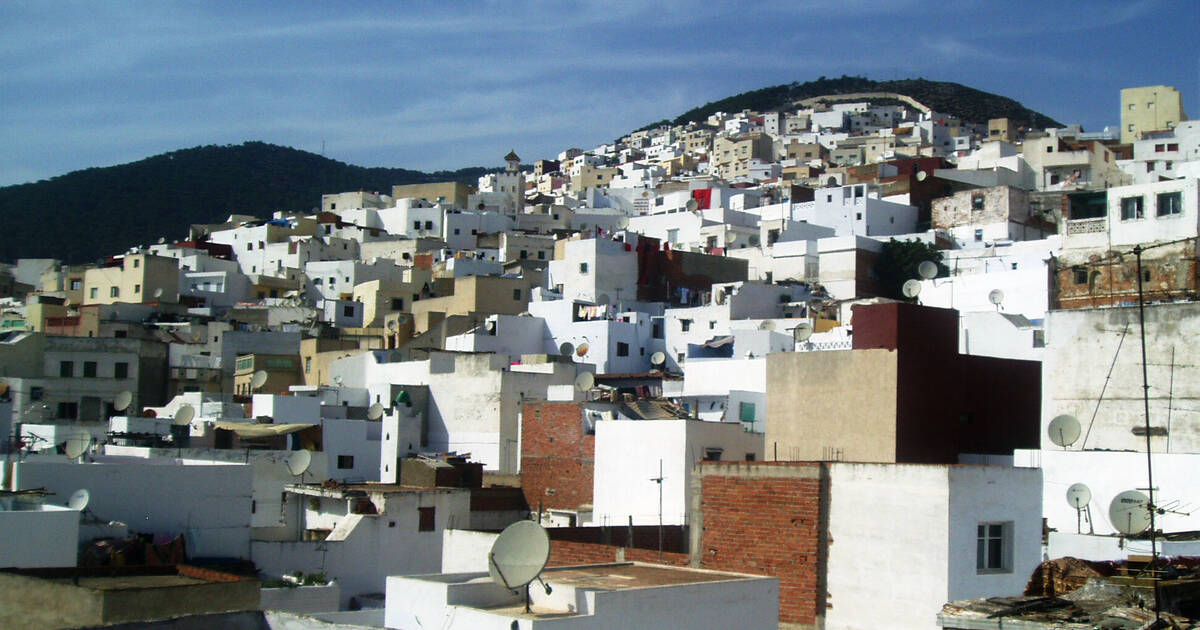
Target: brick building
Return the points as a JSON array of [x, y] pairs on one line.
[[557, 457]]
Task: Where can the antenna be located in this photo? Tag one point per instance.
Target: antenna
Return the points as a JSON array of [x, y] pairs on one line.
[[996, 296], [258, 380], [519, 556], [79, 499], [77, 444], [123, 400], [585, 381], [658, 358], [1130, 512], [927, 269], [911, 288], [1063, 430], [375, 411], [566, 348]]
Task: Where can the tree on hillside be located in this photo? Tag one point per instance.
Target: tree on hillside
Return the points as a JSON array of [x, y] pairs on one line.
[[898, 262]]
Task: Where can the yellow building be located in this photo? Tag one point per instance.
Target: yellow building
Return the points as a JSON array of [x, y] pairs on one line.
[[1149, 108], [282, 372], [133, 278], [474, 295], [452, 193], [731, 156]]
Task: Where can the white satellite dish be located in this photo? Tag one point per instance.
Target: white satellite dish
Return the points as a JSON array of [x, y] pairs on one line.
[[731, 237], [1063, 430], [802, 331], [79, 499], [158, 293], [911, 288], [298, 462], [375, 411], [581, 349], [337, 380], [123, 400], [1130, 512], [996, 296], [658, 358], [921, 175], [927, 269], [1079, 495], [692, 205], [258, 380], [184, 415], [392, 325], [77, 444], [519, 554], [585, 381], [767, 325], [566, 348]]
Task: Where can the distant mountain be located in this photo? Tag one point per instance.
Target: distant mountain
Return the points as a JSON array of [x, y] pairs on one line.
[[950, 98], [89, 214]]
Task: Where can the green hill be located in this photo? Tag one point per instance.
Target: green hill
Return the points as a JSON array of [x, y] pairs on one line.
[[950, 98], [89, 214]]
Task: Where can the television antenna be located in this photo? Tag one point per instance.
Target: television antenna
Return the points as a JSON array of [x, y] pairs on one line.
[[375, 411], [1079, 496], [927, 270], [1063, 430], [911, 288], [519, 556], [77, 444], [259, 379], [123, 400], [1130, 512]]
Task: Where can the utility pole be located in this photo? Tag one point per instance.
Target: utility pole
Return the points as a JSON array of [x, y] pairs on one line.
[[1137, 251], [659, 481]]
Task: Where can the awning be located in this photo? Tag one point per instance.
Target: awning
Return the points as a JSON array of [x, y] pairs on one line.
[[255, 430]]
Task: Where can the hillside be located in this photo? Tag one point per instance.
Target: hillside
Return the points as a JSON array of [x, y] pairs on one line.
[[951, 98], [88, 214]]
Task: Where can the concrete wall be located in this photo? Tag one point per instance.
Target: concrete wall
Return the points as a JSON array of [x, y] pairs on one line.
[[208, 503], [44, 537]]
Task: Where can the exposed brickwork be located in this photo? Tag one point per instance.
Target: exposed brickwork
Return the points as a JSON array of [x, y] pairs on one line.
[[768, 520], [557, 458], [564, 553]]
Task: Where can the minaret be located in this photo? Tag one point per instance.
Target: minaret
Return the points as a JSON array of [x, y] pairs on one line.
[[513, 162]]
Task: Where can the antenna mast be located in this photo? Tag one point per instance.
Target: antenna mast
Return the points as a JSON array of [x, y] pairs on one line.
[[659, 481], [1137, 251]]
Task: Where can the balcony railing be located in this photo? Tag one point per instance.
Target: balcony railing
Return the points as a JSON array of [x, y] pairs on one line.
[[1098, 225]]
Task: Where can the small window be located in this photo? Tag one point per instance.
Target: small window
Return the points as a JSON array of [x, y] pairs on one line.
[[308, 365], [120, 369], [712, 454], [1170, 203], [68, 410], [348, 310], [137, 262], [1081, 275], [583, 267], [137, 288], [89, 369], [622, 349], [1131, 208], [114, 292], [397, 304], [746, 411], [425, 519], [93, 293], [66, 369], [456, 231], [76, 285], [977, 202], [416, 225], [685, 325], [541, 255], [993, 548], [517, 294], [978, 235], [345, 462]]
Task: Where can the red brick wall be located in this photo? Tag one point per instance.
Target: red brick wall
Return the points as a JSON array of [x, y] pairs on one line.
[[564, 553], [767, 518], [556, 457]]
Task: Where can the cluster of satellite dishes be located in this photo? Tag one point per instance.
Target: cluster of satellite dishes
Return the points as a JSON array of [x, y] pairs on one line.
[[927, 270], [518, 557]]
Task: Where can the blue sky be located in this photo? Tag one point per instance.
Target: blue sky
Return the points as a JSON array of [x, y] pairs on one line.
[[443, 85]]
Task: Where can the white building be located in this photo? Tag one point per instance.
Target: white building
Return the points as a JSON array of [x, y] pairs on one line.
[[34, 533], [856, 210]]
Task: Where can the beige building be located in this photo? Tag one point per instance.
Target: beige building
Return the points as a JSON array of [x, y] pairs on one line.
[[1149, 108], [474, 295], [133, 278], [731, 155], [585, 176], [317, 353], [282, 372], [381, 298], [804, 151], [452, 193], [1002, 129]]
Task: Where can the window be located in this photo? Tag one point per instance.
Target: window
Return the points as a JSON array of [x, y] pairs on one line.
[[978, 235], [622, 349], [517, 294], [656, 328], [429, 225], [425, 519], [137, 288], [348, 310], [397, 304], [583, 267], [712, 454], [66, 369], [746, 411], [137, 262], [93, 293], [345, 462], [308, 365], [416, 225], [993, 547], [89, 369], [685, 325], [1081, 275], [1170, 203], [114, 292], [541, 255], [977, 202], [120, 369], [456, 230], [1131, 208], [68, 410]]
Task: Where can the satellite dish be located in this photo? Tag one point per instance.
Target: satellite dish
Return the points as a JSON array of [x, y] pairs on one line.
[[802, 331], [77, 444], [1079, 495], [519, 554], [927, 269], [911, 288], [298, 462], [585, 381], [602, 299], [767, 325], [401, 318], [3, 387], [184, 415], [337, 380], [1130, 512], [731, 237], [392, 325], [658, 358], [79, 499], [691, 205], [582, 349], [162, 240], [1063, 430], [158, 293], [996, 296], [375, 411], [566, 348], [922, 175], [123, 400], [490, 326], [258, 380]]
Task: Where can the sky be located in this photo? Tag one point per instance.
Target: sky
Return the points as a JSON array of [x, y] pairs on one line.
[[446, 85]]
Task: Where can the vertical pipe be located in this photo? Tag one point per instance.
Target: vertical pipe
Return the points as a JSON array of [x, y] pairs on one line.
[[1137, 250]]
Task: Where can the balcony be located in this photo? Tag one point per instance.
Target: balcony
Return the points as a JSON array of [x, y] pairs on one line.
[[1097, 225]]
